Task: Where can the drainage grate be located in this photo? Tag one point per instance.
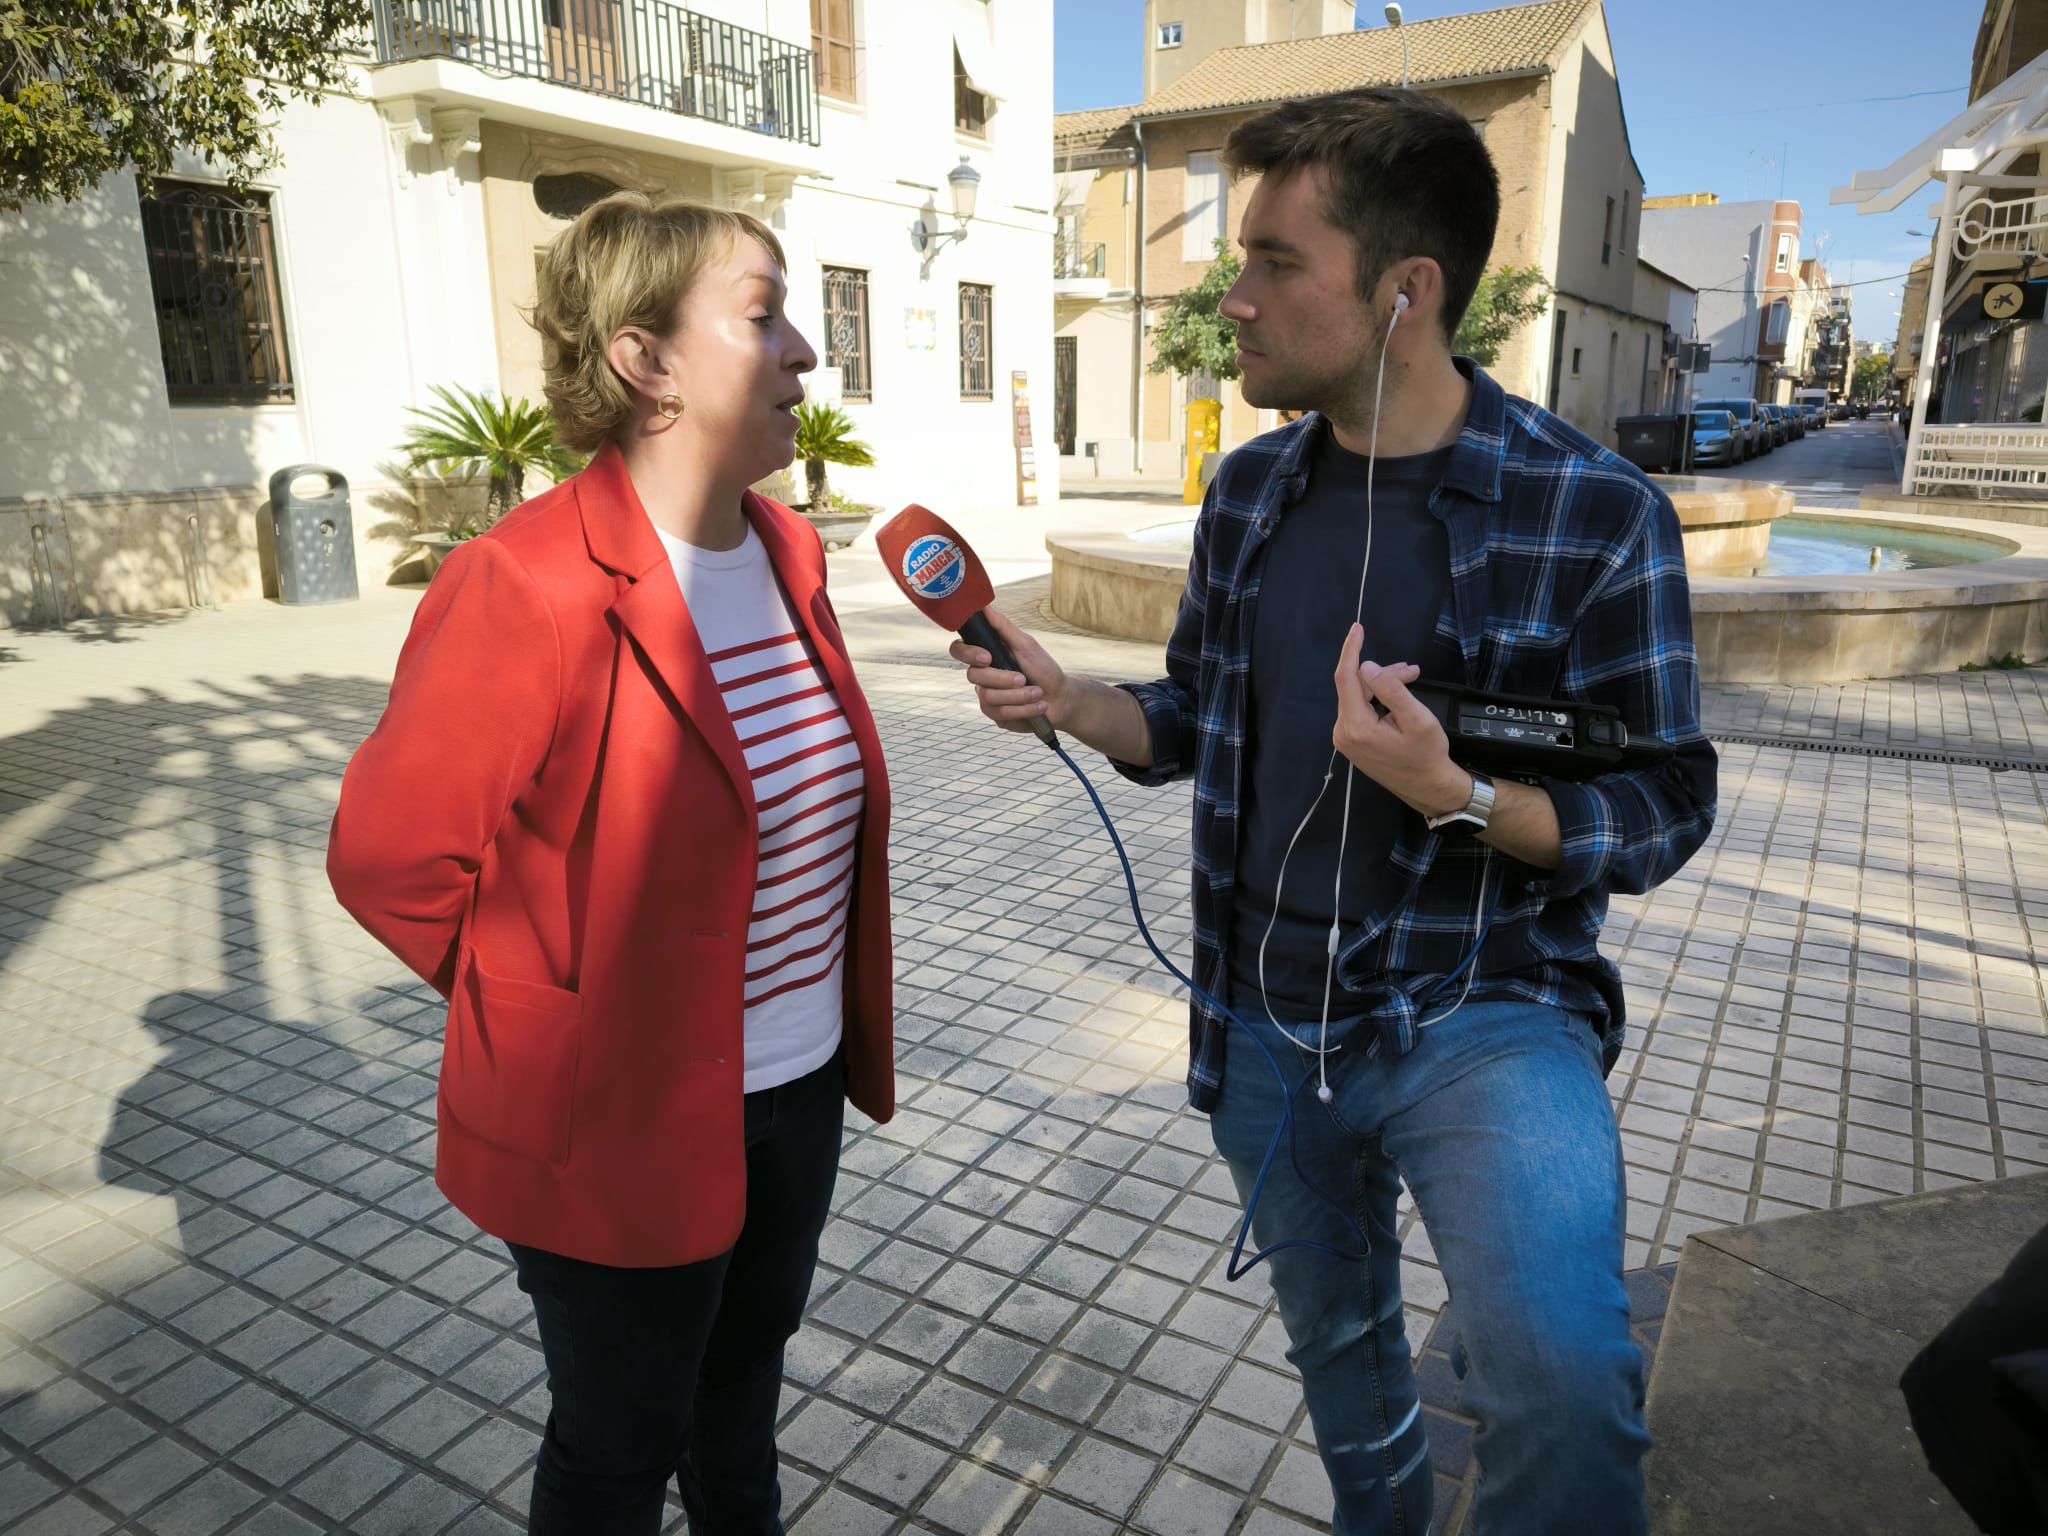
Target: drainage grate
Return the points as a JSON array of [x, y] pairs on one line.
[[1871, 749]]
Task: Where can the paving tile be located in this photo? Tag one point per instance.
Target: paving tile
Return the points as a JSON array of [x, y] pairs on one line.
[[991, 1360], [1066, 1389], [1022, 1443], [1147, 1419], [823, 1435], [946, 1410], [1056, 1517], [348, 1482], [1299, 1484], [1229, 1452], [972, 1500], [895, 1468], [282, 1453], [837, 1513], [81, 1451], [1104, 1477], [233, 1419], [67, 1516], [490, 1454], [415, 1505], [430, 1422], [1184, 1506], [205, 1506]]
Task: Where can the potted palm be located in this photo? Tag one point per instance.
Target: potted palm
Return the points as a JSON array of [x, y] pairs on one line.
[[471, 435], [824, 435]]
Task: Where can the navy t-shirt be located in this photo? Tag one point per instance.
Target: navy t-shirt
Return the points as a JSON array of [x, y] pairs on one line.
[[1308, 598]]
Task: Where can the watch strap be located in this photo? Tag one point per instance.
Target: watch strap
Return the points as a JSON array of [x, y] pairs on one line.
[[1476, 813]]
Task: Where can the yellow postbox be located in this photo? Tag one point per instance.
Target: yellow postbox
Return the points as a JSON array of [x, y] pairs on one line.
[[1205, 436]]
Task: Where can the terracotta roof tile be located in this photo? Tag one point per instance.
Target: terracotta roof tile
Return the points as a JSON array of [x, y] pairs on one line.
[[1077, 133], [1520, 39]]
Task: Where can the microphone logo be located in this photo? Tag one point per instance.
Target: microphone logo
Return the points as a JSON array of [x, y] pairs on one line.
[[934, 567]]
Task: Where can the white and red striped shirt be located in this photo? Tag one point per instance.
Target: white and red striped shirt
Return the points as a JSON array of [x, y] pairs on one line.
[[809, 790]]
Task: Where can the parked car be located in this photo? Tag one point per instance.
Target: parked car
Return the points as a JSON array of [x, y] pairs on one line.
[[1816, 418], [1756, 435], [1791, 419], [1716, 439], [1781, 428]]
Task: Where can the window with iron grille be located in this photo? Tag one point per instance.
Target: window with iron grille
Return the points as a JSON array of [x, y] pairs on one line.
[[970, 107], [832, 46], [219, 312], [977, 341], [846, 331]]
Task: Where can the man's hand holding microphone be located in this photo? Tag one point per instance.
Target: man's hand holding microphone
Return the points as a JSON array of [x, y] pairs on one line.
[[1020, 686], [1107, 719]]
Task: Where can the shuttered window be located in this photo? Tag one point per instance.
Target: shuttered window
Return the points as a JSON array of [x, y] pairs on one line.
[[832, 46]]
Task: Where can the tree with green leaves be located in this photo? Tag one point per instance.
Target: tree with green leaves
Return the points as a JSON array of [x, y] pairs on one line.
[[87, 89], [1194, 336], [1502, 304], [470, 434], [824, 435], [1873, 374]]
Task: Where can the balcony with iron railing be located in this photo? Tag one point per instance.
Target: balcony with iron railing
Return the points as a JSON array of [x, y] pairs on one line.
[[650, 52], [1076, 259], [1080, 269]]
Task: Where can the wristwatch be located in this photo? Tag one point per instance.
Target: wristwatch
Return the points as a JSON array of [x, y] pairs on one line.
[[1477, 811]]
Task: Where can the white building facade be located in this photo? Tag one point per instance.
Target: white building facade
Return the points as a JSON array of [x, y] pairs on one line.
[[1743, 261], [161, 358]]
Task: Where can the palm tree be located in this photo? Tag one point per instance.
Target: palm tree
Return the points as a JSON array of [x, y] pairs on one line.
[[470, 433], [824, 435]]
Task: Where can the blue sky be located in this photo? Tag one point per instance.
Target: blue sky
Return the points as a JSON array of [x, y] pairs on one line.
[[1734, 99]]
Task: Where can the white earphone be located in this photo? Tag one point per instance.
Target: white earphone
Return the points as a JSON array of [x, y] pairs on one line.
[[1400, 303]]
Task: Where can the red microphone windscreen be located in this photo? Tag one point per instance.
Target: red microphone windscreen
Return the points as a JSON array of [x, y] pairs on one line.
[[934, 567]]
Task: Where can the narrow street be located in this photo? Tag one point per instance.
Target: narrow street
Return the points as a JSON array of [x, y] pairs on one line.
[[1825, 468]]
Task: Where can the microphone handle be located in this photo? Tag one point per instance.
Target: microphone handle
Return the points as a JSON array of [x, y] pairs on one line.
[[977, 631]]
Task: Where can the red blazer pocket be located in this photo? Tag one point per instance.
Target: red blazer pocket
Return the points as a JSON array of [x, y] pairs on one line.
[[508, 1071]]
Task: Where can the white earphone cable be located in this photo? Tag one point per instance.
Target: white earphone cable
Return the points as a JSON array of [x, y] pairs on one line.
[[1322, 1048]]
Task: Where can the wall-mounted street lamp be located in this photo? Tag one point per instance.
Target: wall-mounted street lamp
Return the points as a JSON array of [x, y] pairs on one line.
[[964, 183], [1394, 21]]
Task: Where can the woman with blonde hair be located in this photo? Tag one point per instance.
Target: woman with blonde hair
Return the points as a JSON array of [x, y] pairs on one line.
[[627, 811]]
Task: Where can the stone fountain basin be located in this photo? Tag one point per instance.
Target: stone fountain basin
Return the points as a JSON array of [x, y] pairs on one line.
[[1726, 524], [1805, 629]]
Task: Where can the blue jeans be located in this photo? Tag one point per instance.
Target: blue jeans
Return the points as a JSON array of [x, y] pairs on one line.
[[1501, 1125]]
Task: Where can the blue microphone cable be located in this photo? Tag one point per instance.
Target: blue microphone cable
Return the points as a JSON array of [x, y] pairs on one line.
[[1239, 1266]]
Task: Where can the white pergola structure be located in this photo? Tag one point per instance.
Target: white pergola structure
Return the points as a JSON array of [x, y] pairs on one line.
[[1989, 221]]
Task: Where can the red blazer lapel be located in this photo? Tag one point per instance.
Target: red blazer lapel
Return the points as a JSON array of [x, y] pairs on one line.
[[651, 609]]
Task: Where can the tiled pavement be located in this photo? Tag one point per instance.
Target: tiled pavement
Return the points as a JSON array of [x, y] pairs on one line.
[[230, 1297]]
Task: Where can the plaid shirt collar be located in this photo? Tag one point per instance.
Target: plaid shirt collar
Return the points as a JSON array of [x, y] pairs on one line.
[[1477, 457]]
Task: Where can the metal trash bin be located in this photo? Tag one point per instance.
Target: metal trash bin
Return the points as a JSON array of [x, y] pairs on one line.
[[1662, 443], [316, 546]]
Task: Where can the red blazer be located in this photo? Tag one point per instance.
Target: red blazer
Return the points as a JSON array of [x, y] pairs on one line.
[[554, 826]]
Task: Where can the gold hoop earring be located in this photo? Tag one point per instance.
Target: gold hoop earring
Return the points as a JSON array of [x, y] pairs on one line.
[[670, 405]]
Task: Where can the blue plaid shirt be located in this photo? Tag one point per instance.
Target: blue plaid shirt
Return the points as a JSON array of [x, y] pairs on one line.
[[1567, 580]]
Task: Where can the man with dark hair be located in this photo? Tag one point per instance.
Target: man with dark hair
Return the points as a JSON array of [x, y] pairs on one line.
[[1416, 945]]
